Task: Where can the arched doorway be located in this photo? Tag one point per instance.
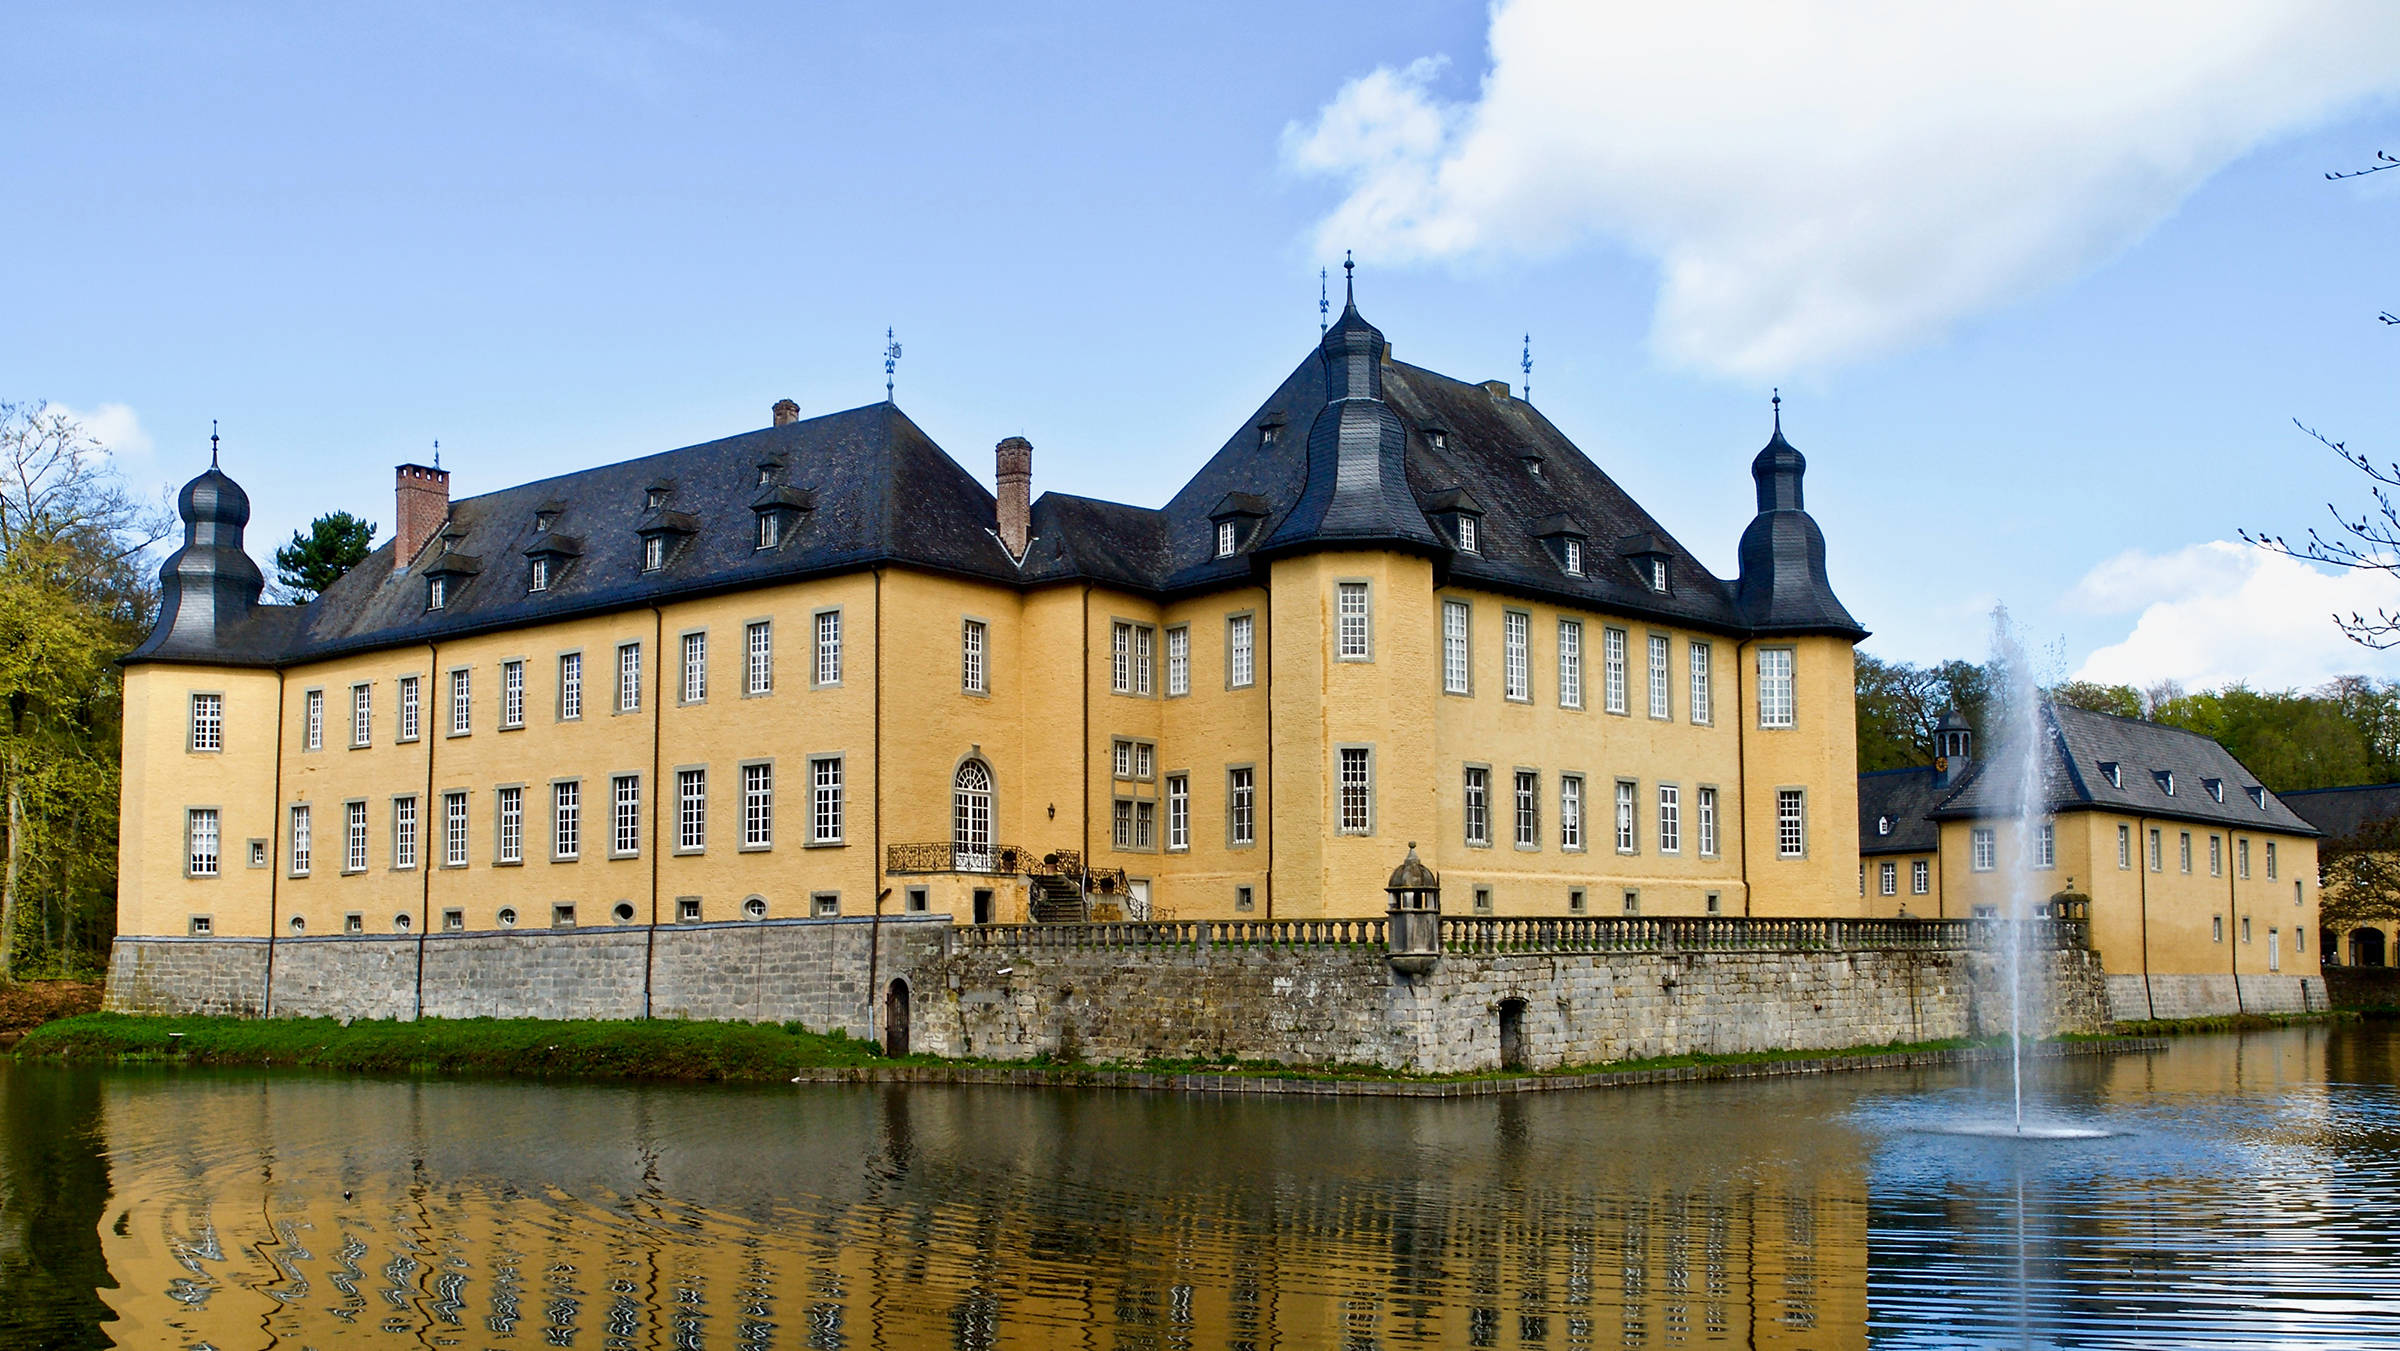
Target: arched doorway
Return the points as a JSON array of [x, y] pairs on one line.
[[971, 817], [2366, 947], [895, 1019], [1512, 1034]]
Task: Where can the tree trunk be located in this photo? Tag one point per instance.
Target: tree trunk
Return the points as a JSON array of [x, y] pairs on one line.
[[8, 876]]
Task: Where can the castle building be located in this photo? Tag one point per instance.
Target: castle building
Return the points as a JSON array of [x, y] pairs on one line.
[[2199, 884], [817, 670], [2358, 819]]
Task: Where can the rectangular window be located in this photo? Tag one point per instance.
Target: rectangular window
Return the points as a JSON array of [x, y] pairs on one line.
[[971, 674], [758, 643], [691, 809], [1516, 678], [1145, 640], [1570, 811], [2184, 850], [1662, 704], [512, 694], [2158, 854], [354, 855], [1891, 879], [1351, 604], [2241, 859], [314, 735], [2216, 928], [1479, 805], [2045, 845], [1241, 805], [1145, 825], [1228, 535], [1703, 706], [1120, 658], [200, 841], [1612, 664], [1528, 809], [208, 722], [625, 795], [695, 667], [362, 715], [1633, 902], [2270, 860], [1670, 819], [540, 580], [1985, 852], [1626, 839], [2124, 846], [511, 815], [1179, 811], [629, 677], [654, 552], [825, 800], [1358, 791], [1920, 877], [829, 648], [1791, 823], [404, 832], [770, 529], [758, 806], [1243, 899], [303, 847], [1121, 823], [1708, 823], [1466, 533], [409, 708], [454, 830], [1454, 647], [1575, 905], [462, 702], [1570, 663], [1240, 659], [1775, 694], [2216, 856], [1179, 661], [570, 685], [1571, 552], [566, 819]]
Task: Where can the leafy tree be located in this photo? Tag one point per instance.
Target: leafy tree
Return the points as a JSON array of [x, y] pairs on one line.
[[1900, 704], [2361, 878], [318, 556], [2123, 700]]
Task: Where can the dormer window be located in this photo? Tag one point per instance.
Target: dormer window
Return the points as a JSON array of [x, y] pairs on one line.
[[1233, 522], [654, 499], [2216, 789], [437, 592], [654, 552], [2115, 773], [1466, 534], [2258, 795], [1228, 538], [770, 530], [1648, 554], [1267, 432], [1573, 549], [1658, 574], [1440, 438], [2166, 780], [1563, 536], [1533, 464], [765, 476], [541, 575], [542, 520], [1883, 825]]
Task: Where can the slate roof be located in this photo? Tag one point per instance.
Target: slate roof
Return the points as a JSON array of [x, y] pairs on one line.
[[2344, 813], [2080, 743], [1352, 461], [1907, 798]]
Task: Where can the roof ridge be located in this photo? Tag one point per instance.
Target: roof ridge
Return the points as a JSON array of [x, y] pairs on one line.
[[2337, 788], [657, 455]]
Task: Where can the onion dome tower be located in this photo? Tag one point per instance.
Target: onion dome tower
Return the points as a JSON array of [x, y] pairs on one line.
[[1357, 488], [1783, 588], [210, 584]]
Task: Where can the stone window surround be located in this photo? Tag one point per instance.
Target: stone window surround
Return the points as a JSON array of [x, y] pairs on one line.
[[312, 697], [1374, 817], [1465, 834], [1168, 636], [523, 680], [1466, 639], [499, 855], [1233, 843], [1516, 836], [841, 759], [1230, 617], [558, 702], [617, 706], [1666, 846], [1368, 583], [1134, 678], [1659, 677], [218, 813], [294, 865], [675, 775], [640, 797], [1166, 822], [447, 795], [1625, 816], [347, 804], [816, 657], [1703, 710], [1793, 653], [362, 714], [192, 723], [742, 803], [1802, 790], [1616, 701], [683, 674], [1709, 843], [1524, 620], [1132, 844], [983, 657], [751, 625], [416, 847], [401, 686], [1583, 811], [451, 688], [580, 804]]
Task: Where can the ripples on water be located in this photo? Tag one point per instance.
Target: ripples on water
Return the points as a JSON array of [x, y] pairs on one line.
[[2246, 1195]]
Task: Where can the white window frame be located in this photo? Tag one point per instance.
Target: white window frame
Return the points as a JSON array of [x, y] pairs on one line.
[[203, 842], [508, 824], [2045, 845], [1983, 849], [1612, 657], [354, 836], [1699, 656], [404, 831], [207, 723], [1628, 797], [462, 701], [1516, 665], [1229, 537], [974, 675], [1888, 878], [695, 667], [362, 715], [1467, 534], [1354, 781], [758, 805], [1475, 795], [1525, 807], [1791, 823], [1241, 805], [825, 806], [691, 810], [1670, 818], [1662, 695], [758, 649], [1241, 653], [538, 579], [566, 820], [1920, 877], [1458, 657], [412, 703], [570, 686], [827, 628], [1570, 811], [1706, 805], [1572, 551], [1353, 614], [625, 815], [1179, 812], [313, 720], [629, 677], [1179, 661], [1778, 698], [512, 694], [454, 829], [654, 552]]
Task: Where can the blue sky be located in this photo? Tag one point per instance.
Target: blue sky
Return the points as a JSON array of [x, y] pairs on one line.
[[2041, 326]]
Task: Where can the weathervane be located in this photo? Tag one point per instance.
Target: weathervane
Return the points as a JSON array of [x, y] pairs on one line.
[[891, 362], [1349, 292], [212, 443], [437, 453], [1526, 363], [1778, 402]]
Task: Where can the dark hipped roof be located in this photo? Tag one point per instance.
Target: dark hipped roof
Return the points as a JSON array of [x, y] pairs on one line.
[[867, 487], [2345, 813], [2080, 742], [1905, 798]]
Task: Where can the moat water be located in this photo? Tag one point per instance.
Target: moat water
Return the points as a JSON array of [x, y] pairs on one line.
[[2246, 1193]]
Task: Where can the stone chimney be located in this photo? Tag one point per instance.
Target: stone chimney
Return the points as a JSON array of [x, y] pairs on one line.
[[1015, 479], [423, 503], [786, 412]]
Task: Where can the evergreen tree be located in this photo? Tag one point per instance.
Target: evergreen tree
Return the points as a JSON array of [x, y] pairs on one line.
[[318, 556]]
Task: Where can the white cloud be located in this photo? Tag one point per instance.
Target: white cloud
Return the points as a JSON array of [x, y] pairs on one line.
[[117, 428], [2219, 612], [1822, 182]]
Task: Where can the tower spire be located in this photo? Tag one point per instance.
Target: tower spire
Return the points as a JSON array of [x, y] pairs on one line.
[[1324, 306], [1349, 292], [1778, 402], [891, 362], [1527, 363], [212, 443]]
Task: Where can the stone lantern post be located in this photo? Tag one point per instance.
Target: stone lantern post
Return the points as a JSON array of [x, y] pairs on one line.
[[1413, 931]]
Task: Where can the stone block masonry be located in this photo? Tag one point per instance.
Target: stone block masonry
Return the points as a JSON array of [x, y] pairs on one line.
[[2138, 998]]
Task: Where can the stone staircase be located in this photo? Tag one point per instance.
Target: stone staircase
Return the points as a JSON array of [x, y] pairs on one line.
[[1054, 899]]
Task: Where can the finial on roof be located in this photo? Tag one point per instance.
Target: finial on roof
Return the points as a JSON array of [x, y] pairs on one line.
[[1778, 402], [1527, 363], [1349, 292], [437, 452], [891, 362], [212, 443], [1324, 306]]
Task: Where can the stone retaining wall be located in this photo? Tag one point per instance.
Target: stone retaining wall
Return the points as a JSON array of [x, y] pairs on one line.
[[2363, 987], [2139, 998]]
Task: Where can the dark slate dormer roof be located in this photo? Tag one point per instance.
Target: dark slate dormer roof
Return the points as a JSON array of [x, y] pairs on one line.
[[209, 589], [2078, 742], [2344, 814], [1908, 797], [1783, 586]]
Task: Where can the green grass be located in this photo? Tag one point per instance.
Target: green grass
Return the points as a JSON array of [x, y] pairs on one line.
[[645, 1049], [2228, 1022]]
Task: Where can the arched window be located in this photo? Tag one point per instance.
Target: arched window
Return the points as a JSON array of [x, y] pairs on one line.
[[971, 817]]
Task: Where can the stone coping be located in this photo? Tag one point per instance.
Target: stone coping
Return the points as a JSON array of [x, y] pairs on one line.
[[549, 931], [1258, 1084]]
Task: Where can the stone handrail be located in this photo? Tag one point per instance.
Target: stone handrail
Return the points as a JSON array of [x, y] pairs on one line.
[[1186, 933]]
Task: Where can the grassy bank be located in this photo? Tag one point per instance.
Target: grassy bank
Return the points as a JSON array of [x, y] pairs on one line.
[[2230, 1022], [649, 1049]]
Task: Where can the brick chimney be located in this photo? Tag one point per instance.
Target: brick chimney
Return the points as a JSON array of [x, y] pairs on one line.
[[423, 503], [1015, 478], [786, 412]]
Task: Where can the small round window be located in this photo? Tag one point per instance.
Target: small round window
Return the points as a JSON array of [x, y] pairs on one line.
[[755, 907], [623, 912], [508, 919], [400, 923], [299, 925]]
